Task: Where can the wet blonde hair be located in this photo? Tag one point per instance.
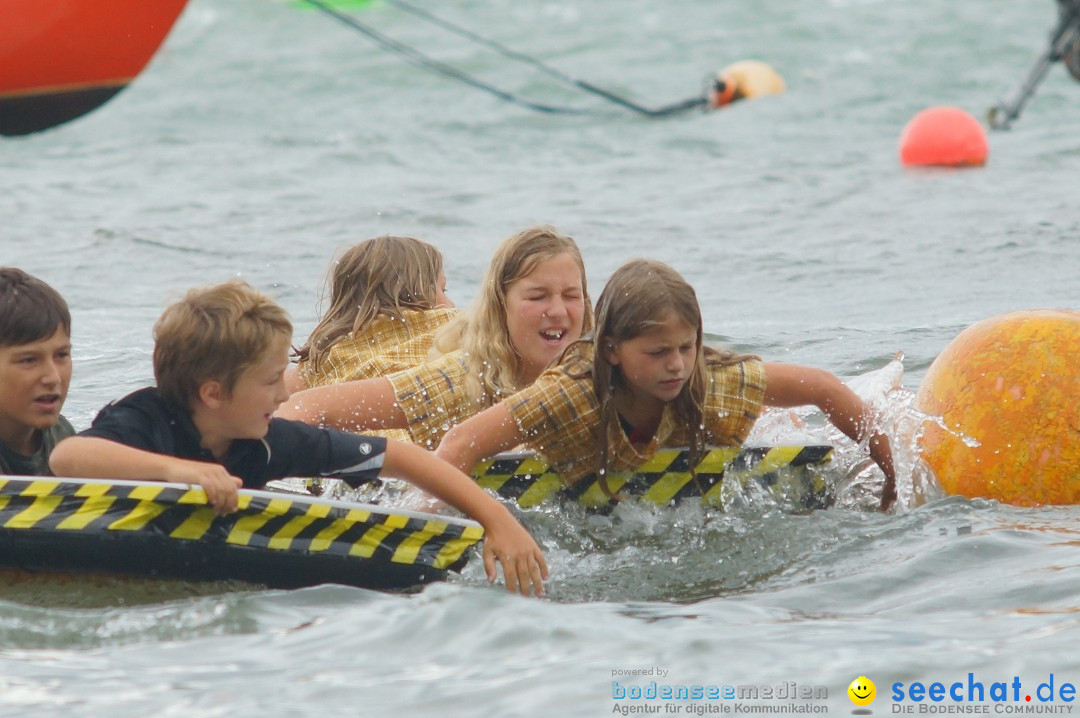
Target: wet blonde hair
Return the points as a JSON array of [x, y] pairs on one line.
[[640, 296], [214, 334], [382, 276], [482, 332]]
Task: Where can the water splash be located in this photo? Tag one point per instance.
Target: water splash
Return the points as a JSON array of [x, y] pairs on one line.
[[855, 478]]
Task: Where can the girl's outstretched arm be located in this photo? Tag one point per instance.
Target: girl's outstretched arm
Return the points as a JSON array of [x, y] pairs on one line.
[[789, 385], [505, 540], [486, 434], [365, 405]]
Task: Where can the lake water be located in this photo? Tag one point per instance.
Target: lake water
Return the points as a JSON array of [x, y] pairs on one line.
[[265, 137]]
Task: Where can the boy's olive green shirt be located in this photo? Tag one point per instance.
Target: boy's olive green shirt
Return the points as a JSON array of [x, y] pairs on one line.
[[13, 463]]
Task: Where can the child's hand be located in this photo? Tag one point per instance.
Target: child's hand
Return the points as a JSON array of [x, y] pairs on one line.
[[220, 486], [505, 541], [888, 494], [522, 561], [881, 452]]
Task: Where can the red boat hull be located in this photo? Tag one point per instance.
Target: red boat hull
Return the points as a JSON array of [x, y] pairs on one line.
[[60, 59]]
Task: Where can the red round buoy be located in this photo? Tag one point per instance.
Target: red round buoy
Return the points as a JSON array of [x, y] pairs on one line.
[[943, 136]]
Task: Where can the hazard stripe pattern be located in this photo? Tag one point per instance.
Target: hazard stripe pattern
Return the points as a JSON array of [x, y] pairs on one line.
[[262, 521], [790, 473]]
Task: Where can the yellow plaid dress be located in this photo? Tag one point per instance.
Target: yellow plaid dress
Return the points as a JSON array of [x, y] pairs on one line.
[[559, 416], [432, 397], [389, 345]]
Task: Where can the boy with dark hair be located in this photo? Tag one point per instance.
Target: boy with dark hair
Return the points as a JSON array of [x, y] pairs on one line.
[[220, 356], [35, 370]]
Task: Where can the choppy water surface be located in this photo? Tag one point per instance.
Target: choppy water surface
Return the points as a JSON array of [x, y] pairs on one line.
[[264, 137]]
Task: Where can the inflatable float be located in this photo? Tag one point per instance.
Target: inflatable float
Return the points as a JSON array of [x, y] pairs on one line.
[[791, 474], [159, 530], [63, 58], [279, 539]]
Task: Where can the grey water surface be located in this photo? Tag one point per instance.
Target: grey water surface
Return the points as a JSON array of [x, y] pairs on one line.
[[264, 137]]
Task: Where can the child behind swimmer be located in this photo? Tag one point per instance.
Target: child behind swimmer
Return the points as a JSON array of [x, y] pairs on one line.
[[220, 356], [646, 382], [533, 303], [387, 298], [35, 371]]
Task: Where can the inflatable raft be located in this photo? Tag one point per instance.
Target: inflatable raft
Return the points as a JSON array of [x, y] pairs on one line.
[[156, 530], [159, 530], [791, 474]]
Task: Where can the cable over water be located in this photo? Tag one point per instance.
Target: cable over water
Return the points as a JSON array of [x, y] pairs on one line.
[[441, 68]]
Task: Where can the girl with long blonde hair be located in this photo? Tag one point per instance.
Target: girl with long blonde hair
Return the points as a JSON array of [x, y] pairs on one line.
[[533, 303], [644, 382]]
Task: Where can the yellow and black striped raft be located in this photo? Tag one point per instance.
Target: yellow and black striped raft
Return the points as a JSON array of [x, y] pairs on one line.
[[161, 530], [791, 473]]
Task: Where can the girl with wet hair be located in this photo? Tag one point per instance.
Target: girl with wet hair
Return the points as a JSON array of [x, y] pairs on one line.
[[644, 382], [533, 304], [387, 299]]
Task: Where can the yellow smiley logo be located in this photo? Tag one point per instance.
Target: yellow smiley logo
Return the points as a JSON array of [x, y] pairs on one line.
[[862, 691]]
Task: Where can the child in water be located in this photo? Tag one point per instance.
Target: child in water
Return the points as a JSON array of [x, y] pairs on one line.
[[533, 304], [387, 298], [35, 370], [220, 355], [646, 382]]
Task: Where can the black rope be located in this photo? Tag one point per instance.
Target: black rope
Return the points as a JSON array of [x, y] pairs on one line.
[[673, 108], [453, 73]]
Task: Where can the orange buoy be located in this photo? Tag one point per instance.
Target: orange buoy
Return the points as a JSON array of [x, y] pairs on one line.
[[945, 137], [745, 79], [1007, 390]]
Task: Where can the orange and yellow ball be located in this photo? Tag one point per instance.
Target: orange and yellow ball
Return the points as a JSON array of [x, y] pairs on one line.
[[1008, 392]]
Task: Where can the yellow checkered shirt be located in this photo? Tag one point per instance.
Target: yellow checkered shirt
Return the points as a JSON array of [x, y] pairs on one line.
[[432, 397], [389, 345], [559, 416]]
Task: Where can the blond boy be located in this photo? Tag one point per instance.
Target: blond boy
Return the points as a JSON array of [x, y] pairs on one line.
[[220, 356], [35, 370]]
